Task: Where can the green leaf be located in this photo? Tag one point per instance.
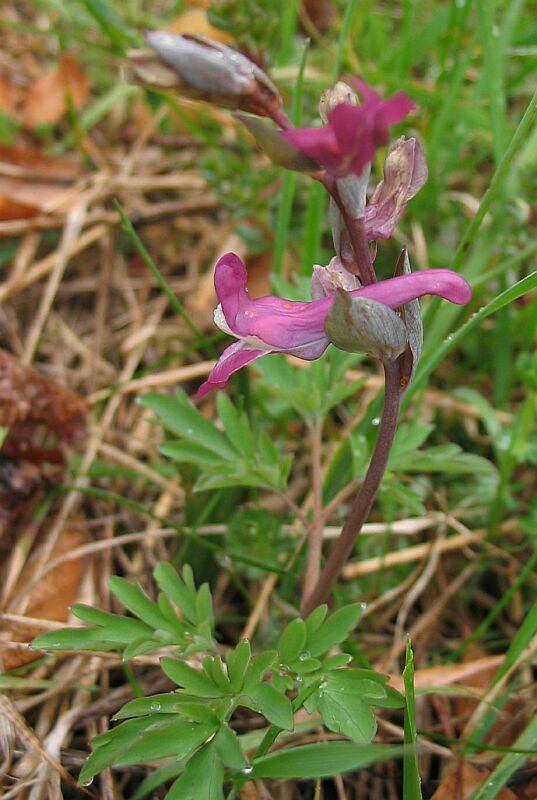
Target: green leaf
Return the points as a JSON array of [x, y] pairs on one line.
[[180, 417], [177, 738], [274, 706], [336, 661], [135, 599], [191, 453], [157, 777], [170, 583], [304, 664], [291, 642], [316, 618], [334, 629], [347, 714], [257, 668], [214, 669], [236, 426], [138, 647], [75, 639], [166, 703], [237, 662], [202, 778], [361, 682], [228, 748], [447, 458], [321, 760], [110, 745], [193, 681], [204, 606]]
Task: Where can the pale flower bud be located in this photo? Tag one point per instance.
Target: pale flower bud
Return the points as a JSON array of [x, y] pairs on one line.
[[325, 281], [330, 98], [204, 70]]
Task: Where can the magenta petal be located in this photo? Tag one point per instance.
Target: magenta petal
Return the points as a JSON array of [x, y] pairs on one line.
[[349, 140], [230, 278], [232, 359], [319, 144], [395, 292], [396, 108]]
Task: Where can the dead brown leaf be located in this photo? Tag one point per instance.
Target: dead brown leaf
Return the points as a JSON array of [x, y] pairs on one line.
[[10, 97], [195, 21], [31, 183], [28, 397], [464, 706], [449, 674], [50, 599], [46, 100], [461, 782]]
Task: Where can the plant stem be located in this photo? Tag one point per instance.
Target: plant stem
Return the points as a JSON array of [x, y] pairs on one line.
[[356, 230], [365, 497], [315, 538], [281, 119]]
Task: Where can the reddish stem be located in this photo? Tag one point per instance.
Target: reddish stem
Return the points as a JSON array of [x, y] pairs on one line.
[[366, 495]]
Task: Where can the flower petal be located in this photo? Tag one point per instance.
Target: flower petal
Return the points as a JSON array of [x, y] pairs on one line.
[[232, 359], [405, 172], [396, 292], [347, 143]]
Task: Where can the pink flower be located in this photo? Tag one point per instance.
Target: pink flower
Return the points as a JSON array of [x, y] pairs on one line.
[[347, 143], [271, 324]]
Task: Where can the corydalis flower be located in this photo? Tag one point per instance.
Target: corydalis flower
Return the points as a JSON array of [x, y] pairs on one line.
[[347, 143], [271, 324]]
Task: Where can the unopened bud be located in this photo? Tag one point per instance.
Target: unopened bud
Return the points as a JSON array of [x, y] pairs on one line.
[[280, 150], [330, 98], [361, 325], [325, 281], [204, 70]]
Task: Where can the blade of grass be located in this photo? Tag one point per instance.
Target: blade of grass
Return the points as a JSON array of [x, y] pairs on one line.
[[411, 775], [491, 83], [494, 190], [289, 16], [526, 744], [111, 24], [526, 572], [430, 362], [498, 695], [491, 86], [436, 323], [157, 274], [343, 36]]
